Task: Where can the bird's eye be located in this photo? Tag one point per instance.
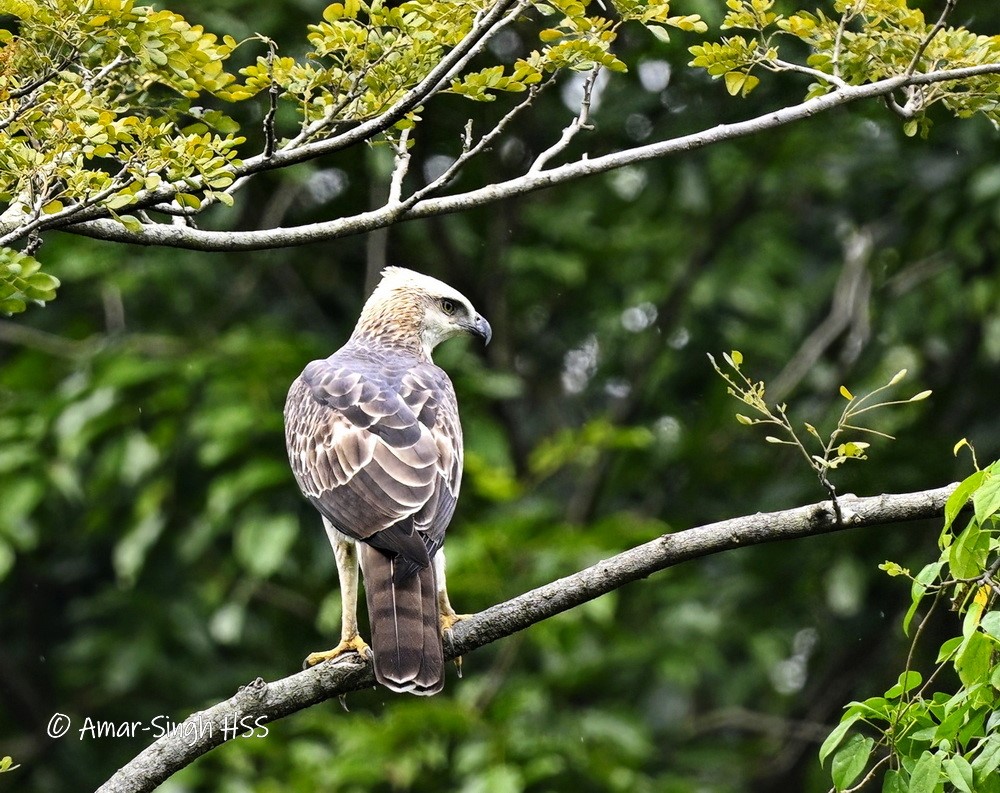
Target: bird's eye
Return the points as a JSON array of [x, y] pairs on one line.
[[447, 306]]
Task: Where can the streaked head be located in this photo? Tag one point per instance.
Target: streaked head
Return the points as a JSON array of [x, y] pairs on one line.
[[415, 310]]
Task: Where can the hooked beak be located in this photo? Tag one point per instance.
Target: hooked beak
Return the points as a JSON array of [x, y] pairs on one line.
[[481, 328]]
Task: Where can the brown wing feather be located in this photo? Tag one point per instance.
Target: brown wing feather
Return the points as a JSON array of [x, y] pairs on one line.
[[376, 446]]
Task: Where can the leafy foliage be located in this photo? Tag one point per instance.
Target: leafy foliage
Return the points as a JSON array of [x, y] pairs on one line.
[[855, 44], [929, 732], [96, 102], [114, 110]]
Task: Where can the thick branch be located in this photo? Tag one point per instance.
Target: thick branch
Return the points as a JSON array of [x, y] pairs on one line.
[[260, 702], [198, 239]]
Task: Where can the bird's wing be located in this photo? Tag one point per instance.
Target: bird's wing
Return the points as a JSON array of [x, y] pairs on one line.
[[378, 452]]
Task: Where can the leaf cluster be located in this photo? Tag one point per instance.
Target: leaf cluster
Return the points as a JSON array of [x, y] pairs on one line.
[[96, 111], [22, 281], [926, 732], [853, 44]]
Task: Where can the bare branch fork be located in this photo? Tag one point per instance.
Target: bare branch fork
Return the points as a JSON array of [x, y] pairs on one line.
[[207, 240], [582, 121], [260, 702]]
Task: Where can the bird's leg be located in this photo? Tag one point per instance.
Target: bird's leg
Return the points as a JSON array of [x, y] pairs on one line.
[[346, 553], [448, 615]]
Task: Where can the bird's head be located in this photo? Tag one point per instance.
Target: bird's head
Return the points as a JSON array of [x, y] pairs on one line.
[[415, 310]]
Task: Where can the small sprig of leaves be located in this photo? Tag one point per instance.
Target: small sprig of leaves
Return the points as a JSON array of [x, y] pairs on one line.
[[7, 764], [836, 449], [22, 281]]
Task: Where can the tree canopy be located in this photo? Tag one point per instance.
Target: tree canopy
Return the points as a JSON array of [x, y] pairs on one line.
[[621, 189]]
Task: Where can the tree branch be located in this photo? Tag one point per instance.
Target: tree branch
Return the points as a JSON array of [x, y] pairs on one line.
[[206, 240], [260, 702], [581, 121], [488, 25]]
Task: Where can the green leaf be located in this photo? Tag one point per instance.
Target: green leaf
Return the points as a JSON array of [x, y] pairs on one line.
[[959, 773], [926, 773], [967, 555], [949, 647], [851, 760], [918, 589], [188, 200], [988, 758], [835, 738], [907, 682], [740, 83], [893, 782], [659, 32], [974, 660], [986, 500], [893, 569], [948, 729], [991, 623], [960, 497], [130, 222]]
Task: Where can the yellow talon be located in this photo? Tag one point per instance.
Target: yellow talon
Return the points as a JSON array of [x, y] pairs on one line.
[[448, 621], [355, 644]]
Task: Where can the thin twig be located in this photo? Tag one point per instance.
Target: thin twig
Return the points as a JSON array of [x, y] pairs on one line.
[[778, 65], [109, 67], [838, 41], [909, 656], [486, 26], [273, 92], [32, 86], [402, 165], [949, 6], [470, 150], [582, 121]]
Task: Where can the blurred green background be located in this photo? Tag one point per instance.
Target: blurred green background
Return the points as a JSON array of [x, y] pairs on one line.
[[155, 553]]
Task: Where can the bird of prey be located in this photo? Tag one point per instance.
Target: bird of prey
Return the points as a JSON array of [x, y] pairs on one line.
[[375, 443]]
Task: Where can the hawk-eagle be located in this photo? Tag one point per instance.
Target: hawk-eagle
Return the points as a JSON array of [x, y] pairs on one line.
[[375, 443]]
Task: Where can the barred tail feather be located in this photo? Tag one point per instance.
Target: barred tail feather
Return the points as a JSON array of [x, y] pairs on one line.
[[405, 625]]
